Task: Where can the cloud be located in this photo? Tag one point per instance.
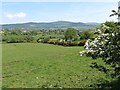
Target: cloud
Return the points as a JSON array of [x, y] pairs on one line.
[[15, 15]]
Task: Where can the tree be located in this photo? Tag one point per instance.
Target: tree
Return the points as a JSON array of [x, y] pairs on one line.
[[106, 45], [117, 13], [86, 34], [106, 40], [70, 34]]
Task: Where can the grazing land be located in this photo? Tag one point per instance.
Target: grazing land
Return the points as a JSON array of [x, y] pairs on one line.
[[32, 65]]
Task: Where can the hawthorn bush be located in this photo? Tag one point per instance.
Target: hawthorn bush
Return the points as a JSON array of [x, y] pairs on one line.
[[105, 45]]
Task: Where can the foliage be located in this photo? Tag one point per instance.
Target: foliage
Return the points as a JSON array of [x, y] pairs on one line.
[[56, 37], [86, 34], [71, 34], [28, 38], [17, 38], [82, 43], [51, 41], [117, 13], [45, 40], [62, 42], [105, 45]]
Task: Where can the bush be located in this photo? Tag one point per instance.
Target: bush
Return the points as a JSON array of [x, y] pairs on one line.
[[29, 38], [71, 34], [13, 39], [45, 40], [59, 43], [66, 43], [106, 44], [82, 43], [86, 34], [17, 39], [73, 43], [38, 40], [51, 41]]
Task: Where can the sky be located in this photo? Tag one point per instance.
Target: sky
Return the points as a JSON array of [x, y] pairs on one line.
[[22, 12]]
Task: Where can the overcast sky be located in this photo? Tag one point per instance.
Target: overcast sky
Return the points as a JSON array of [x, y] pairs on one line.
[[21, 12]]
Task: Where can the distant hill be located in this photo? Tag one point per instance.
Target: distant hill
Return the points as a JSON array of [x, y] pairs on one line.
[[51, 25]]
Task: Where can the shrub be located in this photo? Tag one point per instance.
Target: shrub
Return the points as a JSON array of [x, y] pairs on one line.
[[86, 34], [70, 34], [106, 44], [73, 43], [51, 41], [60, 43], [45, 40], [82, 43], [17, 39], [28, 38], [66, 43], [38, 40]]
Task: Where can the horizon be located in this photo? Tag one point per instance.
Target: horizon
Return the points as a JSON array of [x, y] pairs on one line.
[[47, 22], [38, 12]]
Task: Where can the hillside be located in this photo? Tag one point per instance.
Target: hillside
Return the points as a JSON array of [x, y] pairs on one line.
[[51, 25]]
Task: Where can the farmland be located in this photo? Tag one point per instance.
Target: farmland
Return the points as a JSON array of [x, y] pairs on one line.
[[32, 65], [60, 45]]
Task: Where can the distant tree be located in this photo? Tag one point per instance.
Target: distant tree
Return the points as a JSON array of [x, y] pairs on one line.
[[16, 32], [45, 40], [86, 34], [29, 38], [33, 32], [70, 34]]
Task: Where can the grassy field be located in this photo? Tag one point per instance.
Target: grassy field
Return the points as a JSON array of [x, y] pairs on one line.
[[42, 65]]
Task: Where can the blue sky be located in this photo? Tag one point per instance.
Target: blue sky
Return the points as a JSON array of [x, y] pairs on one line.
[[21, 12]]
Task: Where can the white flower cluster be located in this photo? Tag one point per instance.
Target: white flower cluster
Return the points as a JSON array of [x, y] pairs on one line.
[[106, 44], [105, 27], [98, 47]]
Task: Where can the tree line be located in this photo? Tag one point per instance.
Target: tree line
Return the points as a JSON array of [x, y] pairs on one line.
[[70, 36]]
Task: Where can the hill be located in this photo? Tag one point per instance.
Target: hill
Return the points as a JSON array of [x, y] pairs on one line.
[[51, 25]]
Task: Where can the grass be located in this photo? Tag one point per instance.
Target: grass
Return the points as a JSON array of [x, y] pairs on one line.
[[35, 65]]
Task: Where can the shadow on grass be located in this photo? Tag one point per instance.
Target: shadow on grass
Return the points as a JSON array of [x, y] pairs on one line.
[[105, 84]]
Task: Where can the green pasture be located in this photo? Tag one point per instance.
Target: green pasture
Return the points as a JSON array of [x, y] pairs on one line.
[[36, 65]]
